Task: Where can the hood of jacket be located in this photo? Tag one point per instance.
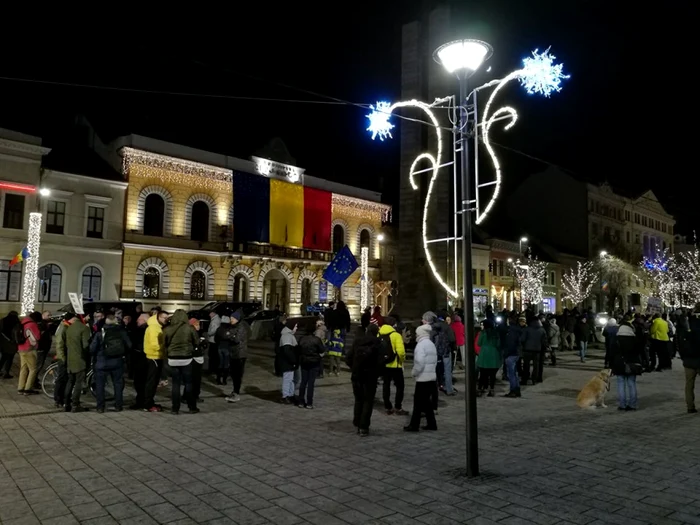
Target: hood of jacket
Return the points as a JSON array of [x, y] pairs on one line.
[[287, 337], [178, 318], [153, 342], [625, 330], [386, 329], [423, 331]]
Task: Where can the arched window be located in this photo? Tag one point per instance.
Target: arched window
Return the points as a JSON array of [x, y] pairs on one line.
[[154, 215], [198, 285], [305, 292], [151, 283], [338, 238], [364, 239], [200, 221], [50, 276], [240, 288], [91, 283]]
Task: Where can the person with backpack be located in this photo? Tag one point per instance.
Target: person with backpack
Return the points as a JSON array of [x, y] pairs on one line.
[[180, 342], [10, 337], [27, 349], [425, 360], [364, 360], [108, 349], [393, 355]]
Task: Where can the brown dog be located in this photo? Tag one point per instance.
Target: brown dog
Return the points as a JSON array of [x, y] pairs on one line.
[[593, 394]]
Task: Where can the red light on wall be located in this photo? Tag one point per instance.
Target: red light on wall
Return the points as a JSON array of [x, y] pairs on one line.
[[16, 186]]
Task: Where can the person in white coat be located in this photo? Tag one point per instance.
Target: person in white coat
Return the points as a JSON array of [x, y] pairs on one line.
[[424, 363]]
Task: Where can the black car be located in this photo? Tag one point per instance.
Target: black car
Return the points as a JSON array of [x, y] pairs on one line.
[[223, 308], [132, 308]]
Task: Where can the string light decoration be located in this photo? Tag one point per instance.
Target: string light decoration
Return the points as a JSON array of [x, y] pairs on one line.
[[539, 75], [689, 274], [530, 275], [360, 208], [364, 280], [177, 171], [31, 265], [676, 279], [578, 283]]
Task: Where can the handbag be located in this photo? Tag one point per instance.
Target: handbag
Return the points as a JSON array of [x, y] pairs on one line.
[[633, 369]]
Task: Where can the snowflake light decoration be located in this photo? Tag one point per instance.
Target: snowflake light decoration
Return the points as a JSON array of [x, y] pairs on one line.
[[379, 123], [541, 75]]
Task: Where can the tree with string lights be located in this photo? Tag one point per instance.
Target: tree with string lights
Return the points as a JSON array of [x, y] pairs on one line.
[[689, 275], [530, 274], [664, 271], [578, 282]]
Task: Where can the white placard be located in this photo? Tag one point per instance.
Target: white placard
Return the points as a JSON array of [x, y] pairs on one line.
[[76, 302]]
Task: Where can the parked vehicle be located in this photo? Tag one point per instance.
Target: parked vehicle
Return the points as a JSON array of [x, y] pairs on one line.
[[90, 307], [223, 308]]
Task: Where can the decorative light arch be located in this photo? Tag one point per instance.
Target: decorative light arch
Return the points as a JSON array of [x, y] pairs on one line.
[[201, 197], [311, 276], [275, 266], [248, 273], [162, 267], [372, 238], [141, 208], [207, 270]]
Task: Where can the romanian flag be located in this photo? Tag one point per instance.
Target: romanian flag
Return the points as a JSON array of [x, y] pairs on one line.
[[21, 256]]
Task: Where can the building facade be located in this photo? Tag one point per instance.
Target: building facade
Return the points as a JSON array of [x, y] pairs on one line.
[[203, 227]]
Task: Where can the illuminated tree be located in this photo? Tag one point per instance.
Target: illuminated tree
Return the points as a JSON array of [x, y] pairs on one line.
[[578, 283], [617, 274], [662, 269], [689, 277], [530, 275]]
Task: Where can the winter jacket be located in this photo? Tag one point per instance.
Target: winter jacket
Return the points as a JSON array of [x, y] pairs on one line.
[[627, 350], [458, 330], [659, 330], [32, 335], [513, 340], [226, 337], [554, 334], [214, 324], [138, 335], [534, 338], [288, 351], [180, 337], [396, 343], [490, 355], [60, 341], [444, 339], [153, 340], [310, 351], [425, 356], [76, 341], [363, 359], [243, 333], [97, 348], [690, 351], [582, 332]]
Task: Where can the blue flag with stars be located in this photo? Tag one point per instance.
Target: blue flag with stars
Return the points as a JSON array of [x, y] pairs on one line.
[[341, 267]]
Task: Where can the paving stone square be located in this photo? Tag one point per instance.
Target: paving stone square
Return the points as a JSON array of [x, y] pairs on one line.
[[257, 462]]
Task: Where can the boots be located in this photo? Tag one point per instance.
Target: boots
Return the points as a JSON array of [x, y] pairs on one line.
[[224, 375], [513, 393], [491, 393]]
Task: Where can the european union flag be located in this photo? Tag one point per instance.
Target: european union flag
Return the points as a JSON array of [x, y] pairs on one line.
[[340, 267]]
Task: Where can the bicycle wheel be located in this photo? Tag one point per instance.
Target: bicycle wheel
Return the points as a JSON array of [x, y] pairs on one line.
[[92, 384], [49, 379]]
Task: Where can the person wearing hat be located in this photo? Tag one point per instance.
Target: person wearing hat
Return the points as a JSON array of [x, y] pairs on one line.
[[239, 354]]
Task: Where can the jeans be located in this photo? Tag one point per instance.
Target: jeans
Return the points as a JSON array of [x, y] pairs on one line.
[[422, 404], [511, 365], [154, 369], [395, 375], [224, 358], [627, 398], [364, 403], [447, 367], [335, 364], [582, 347], [196, 380], [27, 371], [237, 369], [180, 375], [306, 389], [690, 375], [117, 375], [74, 388], [59, 391], [533, 357], [288, 384]]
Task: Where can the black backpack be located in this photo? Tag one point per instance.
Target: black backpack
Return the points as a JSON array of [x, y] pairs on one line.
[[387, 354], [112, 343], [19, 334]]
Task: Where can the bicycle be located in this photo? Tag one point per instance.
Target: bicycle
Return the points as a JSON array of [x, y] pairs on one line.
[[48, 383]]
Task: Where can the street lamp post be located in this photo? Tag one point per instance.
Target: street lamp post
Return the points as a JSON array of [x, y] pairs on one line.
[[463, 58]]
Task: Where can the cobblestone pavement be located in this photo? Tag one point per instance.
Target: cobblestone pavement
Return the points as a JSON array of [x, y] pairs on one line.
[[544, 461]]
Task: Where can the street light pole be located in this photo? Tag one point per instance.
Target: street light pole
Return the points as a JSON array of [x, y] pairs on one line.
[[472, 442]]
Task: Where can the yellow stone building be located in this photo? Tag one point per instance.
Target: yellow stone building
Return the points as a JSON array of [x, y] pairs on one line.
[[179, 248]]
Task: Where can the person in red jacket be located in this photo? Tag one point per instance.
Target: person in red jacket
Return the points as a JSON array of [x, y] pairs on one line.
[[458, 328], [377, 318], [27, 353]]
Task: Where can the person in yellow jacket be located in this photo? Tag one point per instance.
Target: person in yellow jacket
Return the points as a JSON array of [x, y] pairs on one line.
[[394, 370], [154, 348], [660, 344]]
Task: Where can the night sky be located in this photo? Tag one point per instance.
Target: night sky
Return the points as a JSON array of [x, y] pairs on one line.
[[347, 52]]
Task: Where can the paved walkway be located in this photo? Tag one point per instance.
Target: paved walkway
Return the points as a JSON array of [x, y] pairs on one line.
[[544, 461]]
